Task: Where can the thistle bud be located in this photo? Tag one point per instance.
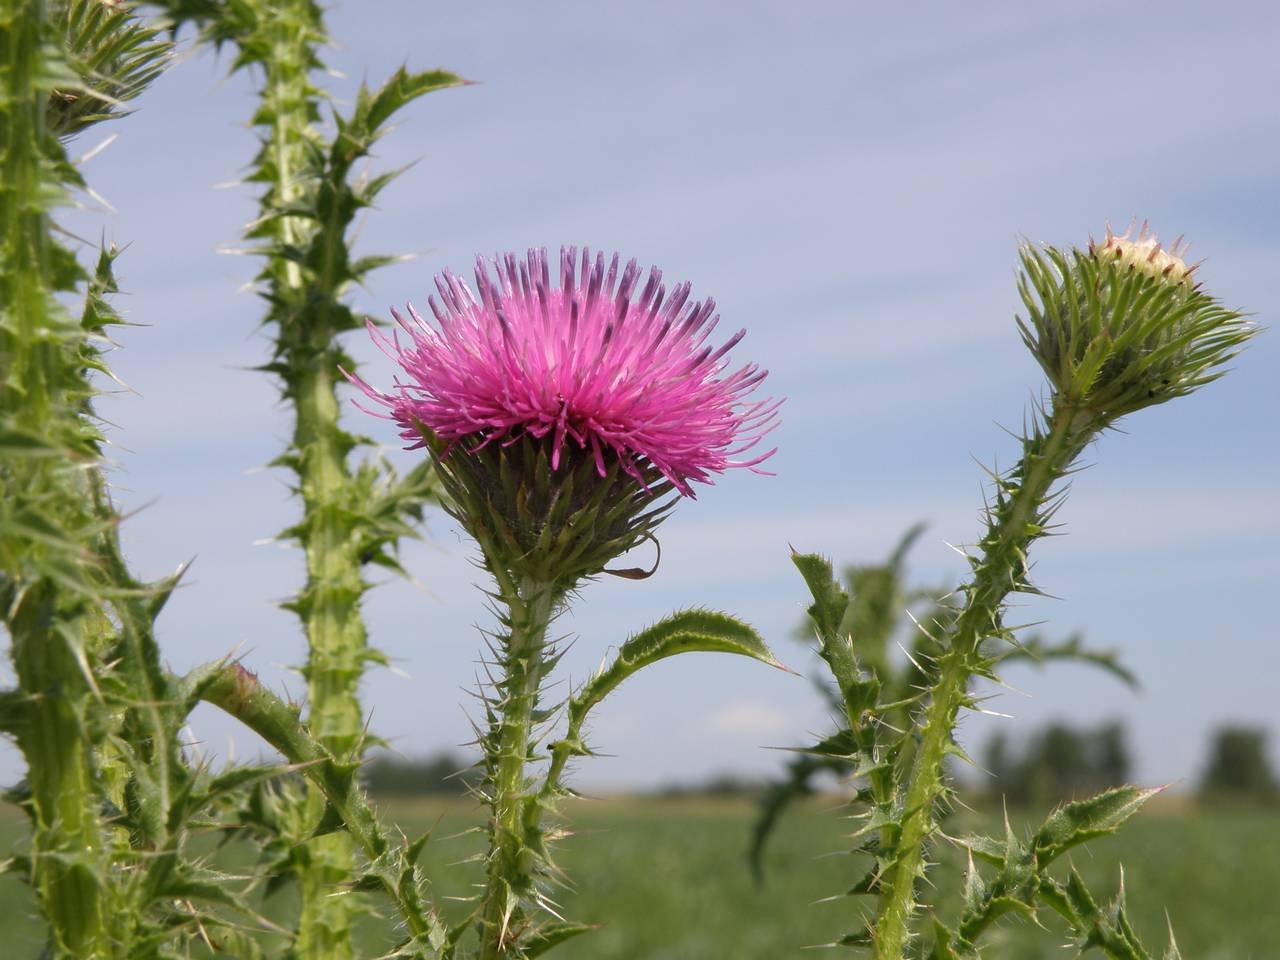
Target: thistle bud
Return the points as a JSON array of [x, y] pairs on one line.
[[1122, 325], [1144, 254]]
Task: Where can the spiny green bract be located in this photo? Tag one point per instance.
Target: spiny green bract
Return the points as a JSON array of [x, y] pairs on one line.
[[113, 54], [1116, 337], [552, 526]]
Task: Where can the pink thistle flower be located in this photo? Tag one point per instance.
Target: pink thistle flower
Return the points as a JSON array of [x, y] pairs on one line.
[[587, 364]]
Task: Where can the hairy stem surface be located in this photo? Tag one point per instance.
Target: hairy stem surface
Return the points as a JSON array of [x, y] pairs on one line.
[[329, 604], [67, 840], [41, 391], [514, 842], [1015, 520]]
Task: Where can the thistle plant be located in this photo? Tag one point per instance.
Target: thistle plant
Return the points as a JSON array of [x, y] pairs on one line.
[[562, 417], [50, 585], [1116, 327], [352, 515], [884, 611], [110, 799], [564, 422]]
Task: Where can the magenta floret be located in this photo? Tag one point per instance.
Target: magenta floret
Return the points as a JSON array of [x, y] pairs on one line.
[[585, 363]]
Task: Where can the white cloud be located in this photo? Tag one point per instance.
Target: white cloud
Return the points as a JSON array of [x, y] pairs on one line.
[[749, 720]]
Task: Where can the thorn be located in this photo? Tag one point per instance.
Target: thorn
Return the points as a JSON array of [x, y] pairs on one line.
[[94, 151], [908, 652]]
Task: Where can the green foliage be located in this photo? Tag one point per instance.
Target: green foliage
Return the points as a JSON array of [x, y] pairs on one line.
[[389, 867], [114, 56], [1115, 339], [50, 584], [112, 802], [1058, 762], [541, 533], [858, 622], [651, 875], [517, 915], [1021, 882], [1238, 768], [690, 631]]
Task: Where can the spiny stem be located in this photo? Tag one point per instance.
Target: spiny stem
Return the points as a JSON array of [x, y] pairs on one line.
[[510, 880], [569, 745], [1014, 522], [337, 649], [67, 840], [238, 692], [329, 604], [42, 390], [155, 739]]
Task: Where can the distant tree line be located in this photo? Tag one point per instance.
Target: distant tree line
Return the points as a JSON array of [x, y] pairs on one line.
[[1058, 762], [722, 784], [1238, 767], [441, 774], [1062, 761]]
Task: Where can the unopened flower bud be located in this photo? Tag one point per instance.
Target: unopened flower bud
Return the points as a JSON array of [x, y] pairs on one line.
[[1122, 325], [1144, 254]]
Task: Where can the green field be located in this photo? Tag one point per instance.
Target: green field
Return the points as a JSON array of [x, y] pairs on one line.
[[666, 880]]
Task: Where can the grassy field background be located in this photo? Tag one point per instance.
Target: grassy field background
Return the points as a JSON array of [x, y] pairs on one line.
[[666, 879]]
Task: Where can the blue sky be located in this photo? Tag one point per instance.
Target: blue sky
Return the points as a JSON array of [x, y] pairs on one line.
[[850, 182]]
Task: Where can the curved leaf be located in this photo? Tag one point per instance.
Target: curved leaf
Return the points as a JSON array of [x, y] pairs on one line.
[[553, 935], [1085, 820], [690, 631]]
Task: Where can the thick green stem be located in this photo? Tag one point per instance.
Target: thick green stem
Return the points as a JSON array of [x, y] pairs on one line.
[[329, 604], [515, 845], [42, 388], [337, 652], [68, 838], [1014, 521]]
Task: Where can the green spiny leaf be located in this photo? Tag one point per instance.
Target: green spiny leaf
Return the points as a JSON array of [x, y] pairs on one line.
[[1084, 820], [829, 599], [686, 632], [552, 935]]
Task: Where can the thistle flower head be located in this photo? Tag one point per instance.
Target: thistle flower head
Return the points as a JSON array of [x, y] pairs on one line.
[[588, 363], [607, 374], [1121, 325]]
